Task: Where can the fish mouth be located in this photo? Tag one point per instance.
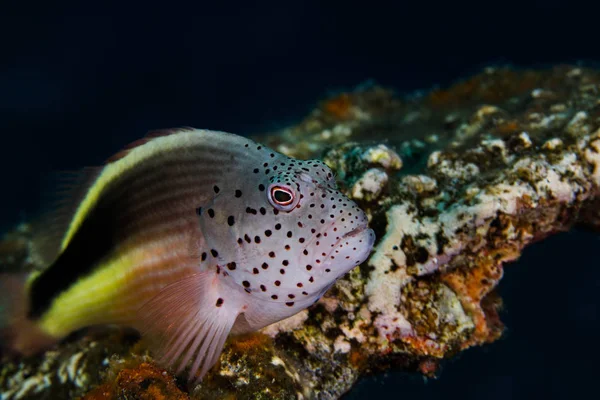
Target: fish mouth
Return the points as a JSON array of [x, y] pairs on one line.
[[367, 240], [355, 232]]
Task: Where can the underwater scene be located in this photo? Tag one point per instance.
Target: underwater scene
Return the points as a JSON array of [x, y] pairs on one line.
[[300, 200]]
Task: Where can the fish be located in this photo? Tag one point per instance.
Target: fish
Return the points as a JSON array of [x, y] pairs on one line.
[[188, 236]]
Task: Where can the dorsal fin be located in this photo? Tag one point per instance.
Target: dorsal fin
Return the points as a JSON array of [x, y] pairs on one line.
[[85, 190], [49, 229], [70, 190], [149, 136]]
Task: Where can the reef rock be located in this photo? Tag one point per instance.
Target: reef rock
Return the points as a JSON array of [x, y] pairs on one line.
[[456, 183]]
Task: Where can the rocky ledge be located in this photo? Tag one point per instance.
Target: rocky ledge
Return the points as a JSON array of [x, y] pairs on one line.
[[456, 183]]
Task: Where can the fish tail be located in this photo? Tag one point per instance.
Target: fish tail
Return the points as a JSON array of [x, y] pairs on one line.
[[18, 334]]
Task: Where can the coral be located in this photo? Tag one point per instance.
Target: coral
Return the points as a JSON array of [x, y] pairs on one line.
[[144, 382], [67, 371], [456, 183], [370, 185]]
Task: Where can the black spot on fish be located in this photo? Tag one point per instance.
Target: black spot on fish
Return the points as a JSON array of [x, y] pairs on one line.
[[274, 297], [263, 288], [214, 253], [272, 254], [246, 284], [256, 170], [238, 193], [265, 265], [219, 302], [261, 187], [231, 266], [204, 255], [256, 239], [230, 220], [277, 283], [250, 210], [216, 189], [289, 303], [268, 233]]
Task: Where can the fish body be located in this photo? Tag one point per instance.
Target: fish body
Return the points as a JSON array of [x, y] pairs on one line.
[[189, 236]]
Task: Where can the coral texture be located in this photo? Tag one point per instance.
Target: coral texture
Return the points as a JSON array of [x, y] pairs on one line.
[[456, 183]]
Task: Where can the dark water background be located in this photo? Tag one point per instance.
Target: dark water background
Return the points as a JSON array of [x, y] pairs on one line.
[[76, 88]]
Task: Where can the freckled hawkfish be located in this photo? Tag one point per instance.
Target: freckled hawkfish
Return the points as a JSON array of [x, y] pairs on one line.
[[188, 236]]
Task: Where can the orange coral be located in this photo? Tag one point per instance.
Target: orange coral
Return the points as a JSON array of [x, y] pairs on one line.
[[472, 286], [494, 86], [247, 343], [358, 359], [104, 392], [507, 127], [424, 346], [145, 382], [428, 367], [340, 106]]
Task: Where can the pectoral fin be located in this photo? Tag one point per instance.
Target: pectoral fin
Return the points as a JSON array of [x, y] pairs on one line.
[[190, 320]]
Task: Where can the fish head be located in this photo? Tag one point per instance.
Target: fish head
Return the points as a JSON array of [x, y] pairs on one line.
[[285, 232]]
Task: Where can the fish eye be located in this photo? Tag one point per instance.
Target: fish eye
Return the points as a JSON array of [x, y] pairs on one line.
[[282, 197]]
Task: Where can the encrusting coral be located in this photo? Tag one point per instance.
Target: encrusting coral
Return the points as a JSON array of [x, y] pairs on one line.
[[455, 182]]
